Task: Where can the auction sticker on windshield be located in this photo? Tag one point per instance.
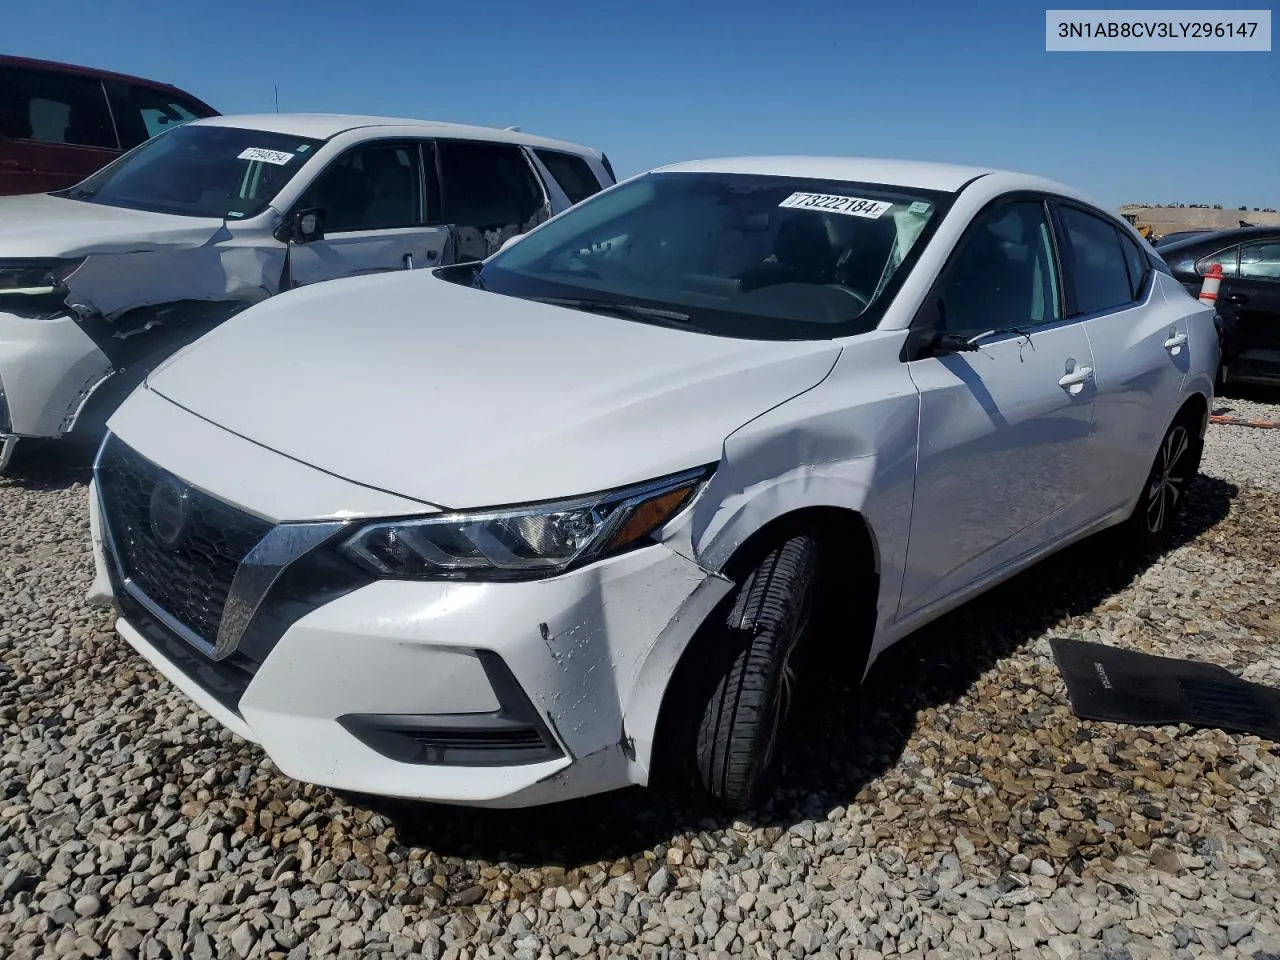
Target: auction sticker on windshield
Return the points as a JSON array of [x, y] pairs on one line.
[[851, 206], [277, 157]]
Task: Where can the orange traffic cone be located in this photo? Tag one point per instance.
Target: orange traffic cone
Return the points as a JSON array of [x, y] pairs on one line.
[[1209, 289]]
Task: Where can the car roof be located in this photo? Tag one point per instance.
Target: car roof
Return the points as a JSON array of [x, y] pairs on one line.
[[1219, 238], [906, 173], [324, 126], [33, 64]]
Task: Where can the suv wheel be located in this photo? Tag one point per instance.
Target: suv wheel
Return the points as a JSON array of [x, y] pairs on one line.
[[742, 721]]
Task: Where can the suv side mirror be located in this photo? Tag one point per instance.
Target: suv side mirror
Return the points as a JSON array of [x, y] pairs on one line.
[[307, 226]]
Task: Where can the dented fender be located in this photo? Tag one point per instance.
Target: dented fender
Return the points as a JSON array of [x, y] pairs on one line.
[[118, 295], [849, 444]]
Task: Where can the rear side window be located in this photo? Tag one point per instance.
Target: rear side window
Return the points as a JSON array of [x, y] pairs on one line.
[[48, 107], [1137, 262], [142, 112], [1100, 274], [572, 174], [1228, 259], [489, 192]]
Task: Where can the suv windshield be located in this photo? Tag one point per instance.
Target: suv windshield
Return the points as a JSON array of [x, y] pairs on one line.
[[200, 171], [739, 255]]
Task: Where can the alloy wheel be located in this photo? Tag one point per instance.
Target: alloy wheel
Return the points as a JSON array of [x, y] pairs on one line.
[[1168, 478]]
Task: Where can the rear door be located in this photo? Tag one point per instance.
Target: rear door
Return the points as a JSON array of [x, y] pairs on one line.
[[1251, 298], [55, 129], [1140, 348], [379, 202]]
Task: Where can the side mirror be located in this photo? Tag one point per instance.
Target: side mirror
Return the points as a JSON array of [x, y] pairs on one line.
[[929, 338], [307, 226]]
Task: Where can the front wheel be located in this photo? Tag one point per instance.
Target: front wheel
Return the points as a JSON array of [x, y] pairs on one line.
[[742, 722]]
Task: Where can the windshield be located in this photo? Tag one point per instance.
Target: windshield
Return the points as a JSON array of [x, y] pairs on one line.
[[200, 171], [741, 255]]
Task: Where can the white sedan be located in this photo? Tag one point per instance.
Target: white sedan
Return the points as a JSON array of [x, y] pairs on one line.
[[556, 523]]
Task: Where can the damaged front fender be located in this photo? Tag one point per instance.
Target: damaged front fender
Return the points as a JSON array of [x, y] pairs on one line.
[[117, 297]]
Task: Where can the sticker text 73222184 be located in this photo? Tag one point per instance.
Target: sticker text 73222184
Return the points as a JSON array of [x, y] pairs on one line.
[[851, 206]]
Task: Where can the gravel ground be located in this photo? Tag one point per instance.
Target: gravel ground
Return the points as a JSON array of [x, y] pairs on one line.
[[959, 810]]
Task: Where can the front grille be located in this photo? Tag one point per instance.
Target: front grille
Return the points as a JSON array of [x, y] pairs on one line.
[[224, 680], [189, 581]]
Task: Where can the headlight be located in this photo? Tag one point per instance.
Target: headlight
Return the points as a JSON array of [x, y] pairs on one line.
[[524, 542], [34, 278]]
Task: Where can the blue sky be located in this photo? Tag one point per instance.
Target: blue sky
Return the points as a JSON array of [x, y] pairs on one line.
[[666, 81]]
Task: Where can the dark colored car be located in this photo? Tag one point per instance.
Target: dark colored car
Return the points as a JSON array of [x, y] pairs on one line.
[[60, 123], [1248, 300], [1178, 235]]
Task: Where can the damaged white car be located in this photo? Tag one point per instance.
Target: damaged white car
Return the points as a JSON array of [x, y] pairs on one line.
[[560, 522], [100, 282]]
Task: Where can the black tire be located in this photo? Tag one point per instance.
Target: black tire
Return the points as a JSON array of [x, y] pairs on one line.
[[1176, 463], [742, 721]]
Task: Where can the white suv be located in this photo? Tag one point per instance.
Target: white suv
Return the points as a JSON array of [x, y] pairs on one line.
[[100, 282], [510, 532]]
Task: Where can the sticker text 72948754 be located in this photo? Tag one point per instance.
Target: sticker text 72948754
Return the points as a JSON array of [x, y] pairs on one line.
[[851, 206], [278, 157]]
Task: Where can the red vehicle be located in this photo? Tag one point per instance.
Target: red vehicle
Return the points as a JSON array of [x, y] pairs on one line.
[[59, 123]]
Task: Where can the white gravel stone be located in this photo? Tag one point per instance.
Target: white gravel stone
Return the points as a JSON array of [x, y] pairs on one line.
[[964, 812]]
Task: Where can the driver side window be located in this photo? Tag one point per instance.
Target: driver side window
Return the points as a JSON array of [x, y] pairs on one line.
[[374, 187], [1002, 273]]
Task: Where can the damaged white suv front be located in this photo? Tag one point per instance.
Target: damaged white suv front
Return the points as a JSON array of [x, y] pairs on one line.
[[101, 282]]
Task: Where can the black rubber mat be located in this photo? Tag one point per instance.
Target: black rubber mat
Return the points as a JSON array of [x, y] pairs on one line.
[[1127, 687]]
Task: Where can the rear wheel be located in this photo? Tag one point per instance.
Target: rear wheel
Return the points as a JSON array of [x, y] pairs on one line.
[[1176, 464], [743, 720]]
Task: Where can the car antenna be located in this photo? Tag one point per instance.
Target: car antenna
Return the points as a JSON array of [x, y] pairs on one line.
[[277, 90]]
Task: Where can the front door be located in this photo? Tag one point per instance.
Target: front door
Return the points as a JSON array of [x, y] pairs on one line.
[[1004, 429], [377, 210]]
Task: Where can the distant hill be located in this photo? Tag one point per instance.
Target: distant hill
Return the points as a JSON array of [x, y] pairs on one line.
[[1168, 219]]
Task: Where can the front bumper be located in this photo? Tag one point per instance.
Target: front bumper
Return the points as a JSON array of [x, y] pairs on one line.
[[47, 370], [544, 674]]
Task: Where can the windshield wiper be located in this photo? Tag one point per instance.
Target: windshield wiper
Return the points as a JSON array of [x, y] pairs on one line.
[[631, 311]]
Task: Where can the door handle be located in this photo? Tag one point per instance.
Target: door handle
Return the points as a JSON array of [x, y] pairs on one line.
[[1175, 340], [1076, 377]]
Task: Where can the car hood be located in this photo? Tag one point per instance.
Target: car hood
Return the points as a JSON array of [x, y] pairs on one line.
[[42, 225], [463, 398]]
